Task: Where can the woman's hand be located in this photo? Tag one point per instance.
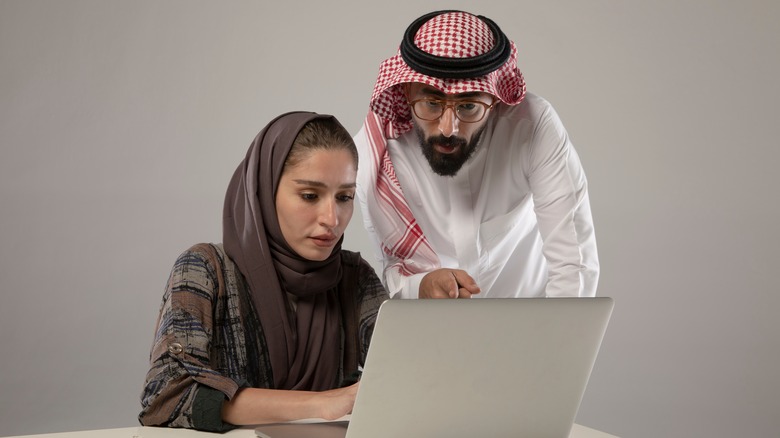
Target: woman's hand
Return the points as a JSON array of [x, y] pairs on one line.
[[262, 406], [337, 403]]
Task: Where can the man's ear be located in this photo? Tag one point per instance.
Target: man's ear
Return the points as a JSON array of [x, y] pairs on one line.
[[406, 87]]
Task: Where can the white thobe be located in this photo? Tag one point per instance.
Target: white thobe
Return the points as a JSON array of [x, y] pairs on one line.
[[516, 217]]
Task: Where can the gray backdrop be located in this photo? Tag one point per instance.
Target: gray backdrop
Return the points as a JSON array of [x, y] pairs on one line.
[[122, 121]]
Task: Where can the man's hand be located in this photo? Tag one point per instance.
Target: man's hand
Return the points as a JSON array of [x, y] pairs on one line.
[[448, 283]]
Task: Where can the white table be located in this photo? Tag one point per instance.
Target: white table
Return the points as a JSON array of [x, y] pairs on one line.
[[162, 432]]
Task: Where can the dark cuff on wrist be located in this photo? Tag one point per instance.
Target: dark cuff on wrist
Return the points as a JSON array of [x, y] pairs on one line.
[[207, 410]]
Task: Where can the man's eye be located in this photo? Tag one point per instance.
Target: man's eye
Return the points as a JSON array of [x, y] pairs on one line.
[[433, 104], [467, 107]]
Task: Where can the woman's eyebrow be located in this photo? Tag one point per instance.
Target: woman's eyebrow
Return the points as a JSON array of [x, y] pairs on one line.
[[312, 183], [308, 182]]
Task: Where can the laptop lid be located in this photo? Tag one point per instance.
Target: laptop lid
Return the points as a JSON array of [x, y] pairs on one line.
[[479, 367]]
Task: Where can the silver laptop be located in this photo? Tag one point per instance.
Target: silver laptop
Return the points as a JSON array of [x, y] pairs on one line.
[[467, 368]]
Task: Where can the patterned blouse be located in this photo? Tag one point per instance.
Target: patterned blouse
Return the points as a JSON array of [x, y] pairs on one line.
[[209, 341]]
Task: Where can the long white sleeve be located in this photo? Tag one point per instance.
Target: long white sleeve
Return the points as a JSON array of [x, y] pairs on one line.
[[560, 192], [516, 217]]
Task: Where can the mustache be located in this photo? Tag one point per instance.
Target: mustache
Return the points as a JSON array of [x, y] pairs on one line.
[[446, 141]]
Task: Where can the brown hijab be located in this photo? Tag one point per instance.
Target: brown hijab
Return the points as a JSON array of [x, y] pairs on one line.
[[303, 346]]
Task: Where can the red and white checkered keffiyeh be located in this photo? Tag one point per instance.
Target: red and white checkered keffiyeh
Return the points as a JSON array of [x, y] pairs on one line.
[[451, 34]]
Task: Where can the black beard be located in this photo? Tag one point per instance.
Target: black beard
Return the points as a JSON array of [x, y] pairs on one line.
[[447, 164]]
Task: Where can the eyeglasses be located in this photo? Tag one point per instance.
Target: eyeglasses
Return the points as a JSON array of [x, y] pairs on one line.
[[468, 111]]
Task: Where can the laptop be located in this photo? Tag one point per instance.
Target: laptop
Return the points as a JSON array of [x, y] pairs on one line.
[[466, 368]]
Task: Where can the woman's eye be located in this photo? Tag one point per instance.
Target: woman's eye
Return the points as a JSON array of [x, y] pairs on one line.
[[345, 198], [308, 196]]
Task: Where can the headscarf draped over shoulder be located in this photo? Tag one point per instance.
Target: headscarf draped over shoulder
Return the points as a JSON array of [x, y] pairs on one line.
[[304, 347], [454, 52]]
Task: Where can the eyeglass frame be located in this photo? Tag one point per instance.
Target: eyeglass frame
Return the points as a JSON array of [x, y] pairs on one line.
[[446, 104]]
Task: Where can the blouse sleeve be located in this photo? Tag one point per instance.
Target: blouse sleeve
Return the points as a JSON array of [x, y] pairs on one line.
[[182, 389]]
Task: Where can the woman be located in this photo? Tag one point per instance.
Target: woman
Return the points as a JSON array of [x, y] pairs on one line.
[[267, 326]]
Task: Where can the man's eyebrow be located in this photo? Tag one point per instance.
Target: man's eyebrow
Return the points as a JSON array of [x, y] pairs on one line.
[[312, 183], [441, 95]]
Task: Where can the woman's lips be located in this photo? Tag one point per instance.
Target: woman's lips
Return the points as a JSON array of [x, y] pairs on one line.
[[324, 241]]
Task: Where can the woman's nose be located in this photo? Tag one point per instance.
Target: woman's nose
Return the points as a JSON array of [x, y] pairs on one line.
[[329, 214]]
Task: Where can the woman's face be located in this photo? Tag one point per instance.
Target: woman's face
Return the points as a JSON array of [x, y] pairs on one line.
[[314, 201]]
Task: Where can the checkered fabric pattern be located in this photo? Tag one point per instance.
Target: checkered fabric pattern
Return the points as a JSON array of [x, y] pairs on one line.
[[454, 35], [450, 34]]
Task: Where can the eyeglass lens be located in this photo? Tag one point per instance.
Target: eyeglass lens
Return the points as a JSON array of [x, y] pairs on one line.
[[465, 111]]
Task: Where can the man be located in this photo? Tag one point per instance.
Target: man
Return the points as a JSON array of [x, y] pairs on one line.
[[467, 184]]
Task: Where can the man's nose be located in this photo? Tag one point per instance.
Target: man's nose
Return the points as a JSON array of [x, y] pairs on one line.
[[448, 123]]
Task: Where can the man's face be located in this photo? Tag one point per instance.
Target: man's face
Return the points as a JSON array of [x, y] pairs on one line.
[[447, 143]]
